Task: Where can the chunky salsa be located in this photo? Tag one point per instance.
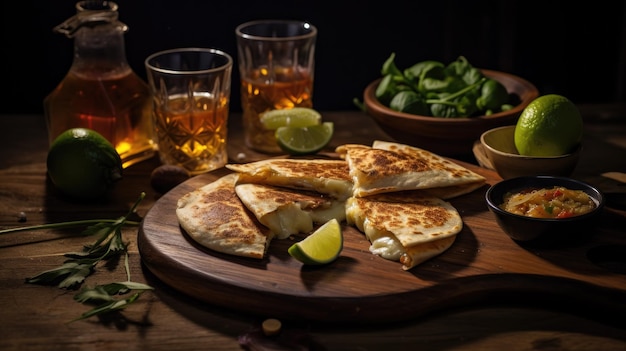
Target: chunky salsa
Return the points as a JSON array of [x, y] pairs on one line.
[[556, 202]]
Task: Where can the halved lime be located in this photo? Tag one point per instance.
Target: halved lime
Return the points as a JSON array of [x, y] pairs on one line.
[[304, 140], [323, 246], [293, 117]]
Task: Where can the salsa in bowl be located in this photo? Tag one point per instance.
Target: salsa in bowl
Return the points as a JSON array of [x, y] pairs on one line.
[[535, 207]]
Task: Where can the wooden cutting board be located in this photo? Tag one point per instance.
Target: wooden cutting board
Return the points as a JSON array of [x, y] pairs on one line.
[[482, 266]]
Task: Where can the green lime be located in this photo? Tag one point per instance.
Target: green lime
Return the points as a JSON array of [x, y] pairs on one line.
[[550, 125], [83, 164], [304, 140], [323, 246], [293, 117]]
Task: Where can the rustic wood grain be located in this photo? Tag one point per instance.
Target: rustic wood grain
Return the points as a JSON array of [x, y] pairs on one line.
[[482, 265], [37, 317]]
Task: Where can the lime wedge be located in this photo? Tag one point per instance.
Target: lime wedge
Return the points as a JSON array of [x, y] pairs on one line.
[[321, 247], [293, 117], [304, 140]]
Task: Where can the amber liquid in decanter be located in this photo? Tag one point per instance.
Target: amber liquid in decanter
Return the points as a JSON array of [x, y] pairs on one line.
[[100, 90]]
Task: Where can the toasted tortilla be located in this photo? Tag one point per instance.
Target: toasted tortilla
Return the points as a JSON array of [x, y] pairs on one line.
[[405, 226], [288, 211], [331, 177], [391, 167], [214, 217]]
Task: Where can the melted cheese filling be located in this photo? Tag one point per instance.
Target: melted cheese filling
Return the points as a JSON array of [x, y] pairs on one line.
[[289, 219], [292, 219], [340, 189], [387, 247], [336, 210]]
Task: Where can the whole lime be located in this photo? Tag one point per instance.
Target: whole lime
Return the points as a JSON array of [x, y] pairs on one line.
[[550, 125], [83, 164]]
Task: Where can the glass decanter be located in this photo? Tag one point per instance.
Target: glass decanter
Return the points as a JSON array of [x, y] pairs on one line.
[[100, 90]]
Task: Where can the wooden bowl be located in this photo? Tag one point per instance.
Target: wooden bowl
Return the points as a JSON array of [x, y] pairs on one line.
[[448, 136], [499, 147]]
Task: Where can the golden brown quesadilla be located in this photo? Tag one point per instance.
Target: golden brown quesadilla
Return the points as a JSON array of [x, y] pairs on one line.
[[324, 176], [215, 217], [405, 226], [391, 167]]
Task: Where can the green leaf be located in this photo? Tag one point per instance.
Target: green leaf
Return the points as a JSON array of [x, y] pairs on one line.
[[493, 95], [359, 104], [101, 229], [109, 306], [458, 67], [106, 292], [70, 274], [425, 69], [472, 76], [116, 288], [432, 84], [466, 105], [409, 102], [98, 294], [116, 243], [390, 68], [443, 110], [124, 287]]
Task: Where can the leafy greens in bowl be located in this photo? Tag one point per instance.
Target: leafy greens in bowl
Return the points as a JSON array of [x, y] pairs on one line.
[[430, 88], [451, 134]]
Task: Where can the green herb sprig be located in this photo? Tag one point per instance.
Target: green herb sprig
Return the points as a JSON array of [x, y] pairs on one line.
[[79, 265]]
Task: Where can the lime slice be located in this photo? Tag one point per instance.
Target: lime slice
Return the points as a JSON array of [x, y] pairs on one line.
[[293, 117], [304, 140], [321, 247]]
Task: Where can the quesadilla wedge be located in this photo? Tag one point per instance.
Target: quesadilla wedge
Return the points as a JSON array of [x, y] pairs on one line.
[[287, 211], [390, 167], [329, 177], [405, 226], [214, 217]]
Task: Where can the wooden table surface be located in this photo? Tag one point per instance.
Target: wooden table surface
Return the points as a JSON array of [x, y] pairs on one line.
[[36, 317]]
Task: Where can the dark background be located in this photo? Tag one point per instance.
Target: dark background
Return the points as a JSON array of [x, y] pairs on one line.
[[570, 48]]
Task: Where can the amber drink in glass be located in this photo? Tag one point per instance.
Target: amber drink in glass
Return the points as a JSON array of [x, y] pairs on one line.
[[276, 65], [191, 94]]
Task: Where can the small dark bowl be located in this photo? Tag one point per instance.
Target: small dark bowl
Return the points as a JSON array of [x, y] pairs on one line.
[[543, 230]]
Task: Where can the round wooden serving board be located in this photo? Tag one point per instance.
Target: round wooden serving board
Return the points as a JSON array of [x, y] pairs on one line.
[[482, 266]]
